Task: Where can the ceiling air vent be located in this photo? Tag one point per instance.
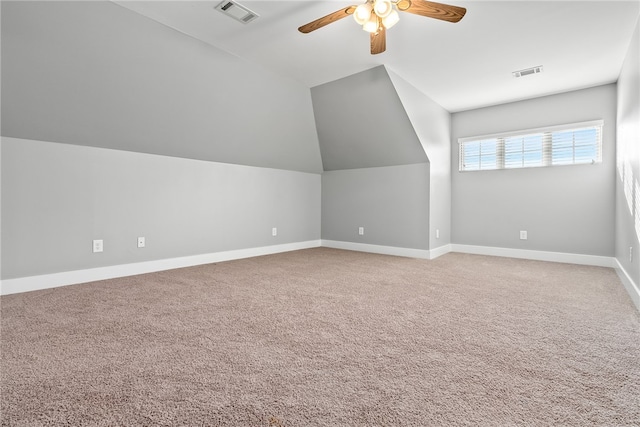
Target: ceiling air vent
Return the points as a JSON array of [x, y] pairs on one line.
[[236, 11], [528, 71]]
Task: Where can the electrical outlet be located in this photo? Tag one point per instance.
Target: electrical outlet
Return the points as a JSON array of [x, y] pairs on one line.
[[523, 235], [141, 242], [630, 253], [361, 231], [98, 246], [274, 231], [437, 233]]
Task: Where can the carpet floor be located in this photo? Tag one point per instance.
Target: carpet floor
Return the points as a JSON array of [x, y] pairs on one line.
[[324, 337]]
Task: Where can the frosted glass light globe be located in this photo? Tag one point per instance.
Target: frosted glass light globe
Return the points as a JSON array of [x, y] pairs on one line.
[[383, 8], [391, 20], [362, 13], [371, 26]]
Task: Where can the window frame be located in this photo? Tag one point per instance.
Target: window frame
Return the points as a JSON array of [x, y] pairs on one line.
[[546, 145]]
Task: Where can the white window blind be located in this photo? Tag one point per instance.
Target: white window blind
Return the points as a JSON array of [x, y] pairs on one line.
[[576, 143]]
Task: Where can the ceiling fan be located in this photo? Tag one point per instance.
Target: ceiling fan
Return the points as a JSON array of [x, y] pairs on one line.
[[377, 16]]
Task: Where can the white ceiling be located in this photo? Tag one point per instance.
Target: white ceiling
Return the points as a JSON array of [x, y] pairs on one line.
[[460, 66]]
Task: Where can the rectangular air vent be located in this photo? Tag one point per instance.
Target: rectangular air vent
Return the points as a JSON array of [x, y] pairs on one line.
[[236, 11], [528, 71]]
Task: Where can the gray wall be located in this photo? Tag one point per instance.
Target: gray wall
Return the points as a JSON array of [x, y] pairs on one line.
[[391, 203], [97, 74], [432, 125], [386, 156], [57, 198], [566, 209], [628, 162], [115, 126], [361, 123]]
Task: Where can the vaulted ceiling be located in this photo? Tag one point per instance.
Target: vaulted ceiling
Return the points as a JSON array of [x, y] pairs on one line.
[[123, 75], [460, 66]]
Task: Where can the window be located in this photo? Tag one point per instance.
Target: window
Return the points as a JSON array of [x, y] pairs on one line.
[[573, 144]]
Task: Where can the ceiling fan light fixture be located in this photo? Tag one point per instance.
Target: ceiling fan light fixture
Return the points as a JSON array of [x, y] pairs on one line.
[[376, 16], [391, 19], [371, 26], [362, 13], [383, 8]]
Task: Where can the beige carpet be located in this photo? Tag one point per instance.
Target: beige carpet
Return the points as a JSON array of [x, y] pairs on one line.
[[323, 337]]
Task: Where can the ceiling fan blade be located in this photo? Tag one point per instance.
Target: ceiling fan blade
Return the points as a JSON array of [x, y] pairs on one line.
[[431, 9], [379, 41], [325, 20]]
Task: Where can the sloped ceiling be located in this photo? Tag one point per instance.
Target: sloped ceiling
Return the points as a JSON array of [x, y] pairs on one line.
[[361, 123], [580, 43], [120, 75], [96, 74]]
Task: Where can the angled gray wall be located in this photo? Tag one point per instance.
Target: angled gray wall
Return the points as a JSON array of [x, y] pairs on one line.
[[392, 175], [568, 209], [94, 73], [627, 229], [114, 127], [361, 123], [432, 125]]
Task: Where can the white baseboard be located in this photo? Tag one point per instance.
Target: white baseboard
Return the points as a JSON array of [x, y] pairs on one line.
[[442, 250], [47, 281], [595, 260], [377, 249], [633, 289], [581, 259]]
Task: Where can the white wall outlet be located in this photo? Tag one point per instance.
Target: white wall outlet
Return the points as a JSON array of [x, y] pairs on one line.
[[98, 246], [274, 231], [437, 233], [630, 253], [361, 231], [141, 242], [523, 235]]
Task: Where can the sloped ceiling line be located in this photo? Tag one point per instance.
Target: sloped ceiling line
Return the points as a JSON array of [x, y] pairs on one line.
[[361, 123]]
